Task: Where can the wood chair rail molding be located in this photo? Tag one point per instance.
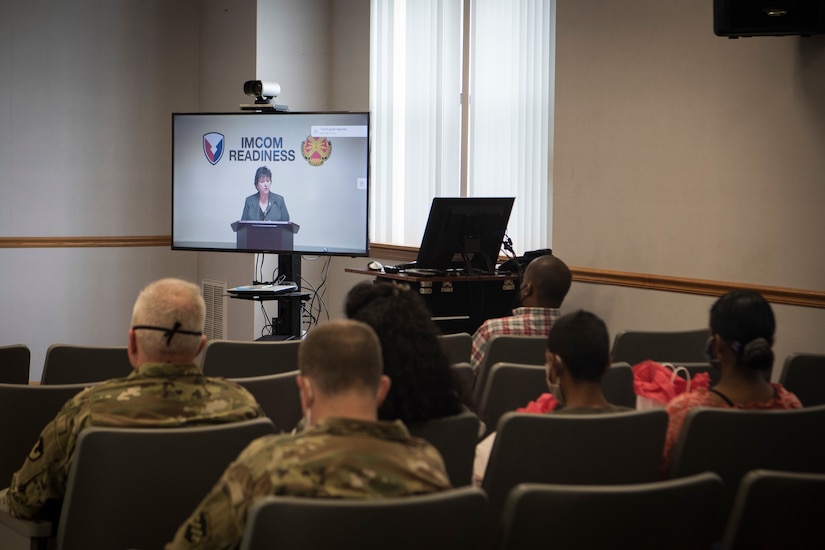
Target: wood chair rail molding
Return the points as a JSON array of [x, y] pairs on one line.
[[666, 283], [85, 242]]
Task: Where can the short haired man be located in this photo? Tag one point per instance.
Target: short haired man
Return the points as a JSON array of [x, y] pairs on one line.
[[543, 288], [345, 452], [166, 389]]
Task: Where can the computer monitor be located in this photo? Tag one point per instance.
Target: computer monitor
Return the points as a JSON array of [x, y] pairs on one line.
[[464, 233]]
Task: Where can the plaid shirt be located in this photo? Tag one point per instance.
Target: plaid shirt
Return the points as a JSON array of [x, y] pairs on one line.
[[525, 321]]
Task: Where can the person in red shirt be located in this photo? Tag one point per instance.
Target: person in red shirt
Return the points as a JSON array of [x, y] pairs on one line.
[[742, 327]]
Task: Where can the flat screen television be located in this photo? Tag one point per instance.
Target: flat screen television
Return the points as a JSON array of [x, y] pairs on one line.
[[315, 167], [464, 233]]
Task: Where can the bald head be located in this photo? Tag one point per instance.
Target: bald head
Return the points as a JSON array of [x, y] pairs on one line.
[[546, 282], [341, 355]]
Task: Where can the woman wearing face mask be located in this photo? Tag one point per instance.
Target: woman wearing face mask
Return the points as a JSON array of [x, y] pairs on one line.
[[578, 354], [264, 205], [742, 326]]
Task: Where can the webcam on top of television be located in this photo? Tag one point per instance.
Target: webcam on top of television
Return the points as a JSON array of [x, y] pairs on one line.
[[263, 92]]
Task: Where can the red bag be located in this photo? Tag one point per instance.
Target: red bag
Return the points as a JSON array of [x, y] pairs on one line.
[[546, 402], [656, 384]]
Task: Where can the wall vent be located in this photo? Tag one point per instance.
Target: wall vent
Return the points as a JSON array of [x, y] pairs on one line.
[[214, 294]]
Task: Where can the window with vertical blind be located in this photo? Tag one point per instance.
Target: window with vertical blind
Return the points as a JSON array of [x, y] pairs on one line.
[[461, 101]]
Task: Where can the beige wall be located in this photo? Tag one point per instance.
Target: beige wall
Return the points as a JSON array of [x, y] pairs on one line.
[[681, 153], [86, 92]]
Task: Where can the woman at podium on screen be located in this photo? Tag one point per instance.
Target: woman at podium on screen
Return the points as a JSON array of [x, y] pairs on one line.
[[264, 205]]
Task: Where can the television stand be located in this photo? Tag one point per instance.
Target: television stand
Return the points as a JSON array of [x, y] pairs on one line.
[[289, 323]]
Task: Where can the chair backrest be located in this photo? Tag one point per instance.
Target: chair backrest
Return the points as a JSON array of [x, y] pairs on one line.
[[511, 386], [68, 364], [777, 510], [25, 410], [133, 488], [463, 380], [527, 350], [241, 359], [457, 346], [804, 375], [455, 437], [635, 346], [447, 520], [278, 396], [662, 514], [617, 385], [732, 442], [599, 449], [15, 361]]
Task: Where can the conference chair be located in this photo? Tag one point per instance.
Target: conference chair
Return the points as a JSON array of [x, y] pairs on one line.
[[511, 386], [777, 510], [457, 346], [656, 515], [732, 442], [24, 412], [14, 364], [603, 449], [463, 380], [278, 396], [804, 375], [617, 385], [69, 364], [242, 359], [455, 437], [133, 488], [527, 350], [635, 346], [446, 520]]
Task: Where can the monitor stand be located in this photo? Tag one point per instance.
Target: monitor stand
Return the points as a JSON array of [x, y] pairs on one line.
[[289, 320]]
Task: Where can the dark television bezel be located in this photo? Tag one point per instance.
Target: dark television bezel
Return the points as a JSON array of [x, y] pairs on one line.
[[357, 254], [447, 227]]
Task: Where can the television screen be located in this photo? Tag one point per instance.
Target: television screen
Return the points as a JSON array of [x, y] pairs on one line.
[[271, 182], [464, 233]]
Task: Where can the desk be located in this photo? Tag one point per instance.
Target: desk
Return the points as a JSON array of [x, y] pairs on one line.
[[459, 303]]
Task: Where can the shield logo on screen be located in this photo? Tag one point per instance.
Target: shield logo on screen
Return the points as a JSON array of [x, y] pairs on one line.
[[213, 147], [316, 150]]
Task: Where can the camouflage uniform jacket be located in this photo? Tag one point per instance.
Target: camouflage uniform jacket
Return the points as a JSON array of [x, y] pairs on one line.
[[336, 458], [153, 395]]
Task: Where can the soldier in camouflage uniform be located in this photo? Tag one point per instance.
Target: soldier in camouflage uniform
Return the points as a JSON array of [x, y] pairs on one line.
[[345, 452], [166, 389]]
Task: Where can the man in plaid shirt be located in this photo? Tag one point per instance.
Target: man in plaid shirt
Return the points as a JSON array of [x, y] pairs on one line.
[[543, 288]]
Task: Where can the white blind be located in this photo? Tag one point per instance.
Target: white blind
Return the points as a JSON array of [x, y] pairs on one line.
[[511, 100], [416, 65]]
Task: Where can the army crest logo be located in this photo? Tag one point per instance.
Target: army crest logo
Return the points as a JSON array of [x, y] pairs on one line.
[[316, 150]]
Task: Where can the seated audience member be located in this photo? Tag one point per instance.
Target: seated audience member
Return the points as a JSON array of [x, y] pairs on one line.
[[422, 382], [543, 289], [742, 329], [166, 389], [578, 354], [344, 452]]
